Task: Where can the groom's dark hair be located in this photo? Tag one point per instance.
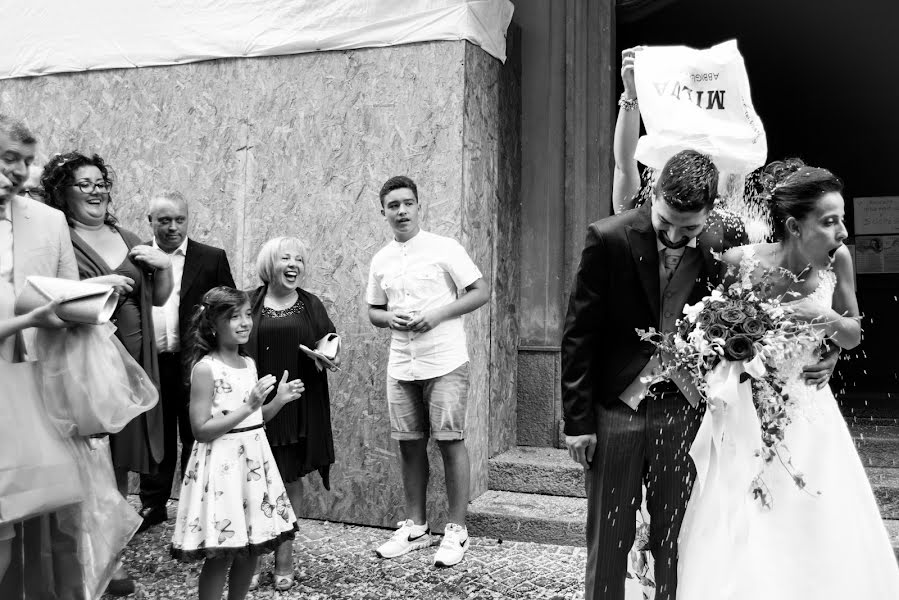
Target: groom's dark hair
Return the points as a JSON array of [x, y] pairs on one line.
[[688, 182]]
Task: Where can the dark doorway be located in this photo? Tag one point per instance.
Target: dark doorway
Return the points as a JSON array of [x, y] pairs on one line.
[[824, 81]]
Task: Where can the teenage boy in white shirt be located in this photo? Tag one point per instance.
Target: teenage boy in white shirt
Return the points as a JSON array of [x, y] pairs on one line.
[[413, 289]]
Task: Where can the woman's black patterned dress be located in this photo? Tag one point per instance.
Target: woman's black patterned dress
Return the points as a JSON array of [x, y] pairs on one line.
[[300, 434]]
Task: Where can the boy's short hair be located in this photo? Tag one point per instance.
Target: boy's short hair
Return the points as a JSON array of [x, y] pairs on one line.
[[397, 182], [268, 254], [688, 182]]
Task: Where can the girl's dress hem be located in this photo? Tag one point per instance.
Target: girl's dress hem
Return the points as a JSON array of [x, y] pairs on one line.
[[259, 549]]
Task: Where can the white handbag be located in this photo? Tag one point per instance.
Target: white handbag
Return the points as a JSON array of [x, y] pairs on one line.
[[79, 301]]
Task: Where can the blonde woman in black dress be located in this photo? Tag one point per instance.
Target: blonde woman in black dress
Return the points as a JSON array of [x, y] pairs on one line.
[[285, 315]]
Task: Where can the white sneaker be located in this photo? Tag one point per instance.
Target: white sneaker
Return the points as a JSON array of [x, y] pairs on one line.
[[453, 546], [407, 538]]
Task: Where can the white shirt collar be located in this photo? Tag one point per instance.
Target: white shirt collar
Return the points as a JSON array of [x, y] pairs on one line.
[[182, 248], [660, 246], [410, 240]]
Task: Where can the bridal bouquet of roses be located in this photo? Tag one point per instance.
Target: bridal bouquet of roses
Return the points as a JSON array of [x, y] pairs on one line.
[[737, 343]]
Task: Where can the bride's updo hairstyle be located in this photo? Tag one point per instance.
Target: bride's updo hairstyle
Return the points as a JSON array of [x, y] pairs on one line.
[[688, 182], [793, 188]]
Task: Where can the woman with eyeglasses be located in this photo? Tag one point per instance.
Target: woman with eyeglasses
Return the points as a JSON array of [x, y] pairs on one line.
[[80, 187]]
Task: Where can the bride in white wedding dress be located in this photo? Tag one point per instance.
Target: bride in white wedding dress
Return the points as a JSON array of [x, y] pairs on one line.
[[826, 541]]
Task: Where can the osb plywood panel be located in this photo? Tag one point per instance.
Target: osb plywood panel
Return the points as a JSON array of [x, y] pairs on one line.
[[490, 226], [501, 109], [338, 125], [478, 209], [300, 146], [159, 128]]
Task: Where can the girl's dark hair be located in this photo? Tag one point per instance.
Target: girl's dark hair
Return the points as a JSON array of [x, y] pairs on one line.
[[793, 188], [59, 173], [688, 182], [200, 340]]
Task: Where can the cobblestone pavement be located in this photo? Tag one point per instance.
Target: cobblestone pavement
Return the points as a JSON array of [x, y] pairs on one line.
[[338, 561]]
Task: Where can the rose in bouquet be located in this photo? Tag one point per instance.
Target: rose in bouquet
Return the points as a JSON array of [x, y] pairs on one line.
[[742, 324]]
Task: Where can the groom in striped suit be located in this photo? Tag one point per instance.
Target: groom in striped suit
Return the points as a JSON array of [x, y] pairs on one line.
[[638, 270]]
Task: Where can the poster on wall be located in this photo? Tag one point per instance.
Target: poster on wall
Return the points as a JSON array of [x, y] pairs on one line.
[[876, 254], [876, 215]]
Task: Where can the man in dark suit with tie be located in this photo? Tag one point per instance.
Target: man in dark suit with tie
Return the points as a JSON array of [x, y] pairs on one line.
[[197, 268], [638, 270]]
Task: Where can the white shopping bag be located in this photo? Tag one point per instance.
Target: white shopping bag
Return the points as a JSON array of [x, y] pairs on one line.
[[698, 100]]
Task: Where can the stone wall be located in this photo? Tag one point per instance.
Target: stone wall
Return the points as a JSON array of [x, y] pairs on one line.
[[299, 145]]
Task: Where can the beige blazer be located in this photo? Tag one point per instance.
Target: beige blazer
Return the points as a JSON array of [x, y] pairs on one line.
[[42, 245]]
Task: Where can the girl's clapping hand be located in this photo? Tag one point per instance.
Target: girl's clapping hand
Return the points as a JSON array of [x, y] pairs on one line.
[[288, 391], [261, 391]]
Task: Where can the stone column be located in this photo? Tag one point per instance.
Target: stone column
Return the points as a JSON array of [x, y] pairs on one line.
[[567, 128]]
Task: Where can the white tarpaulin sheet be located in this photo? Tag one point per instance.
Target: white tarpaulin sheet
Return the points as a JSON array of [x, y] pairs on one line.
[[57, 36]]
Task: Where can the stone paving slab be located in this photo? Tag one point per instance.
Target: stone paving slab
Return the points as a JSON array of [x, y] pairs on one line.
[[877, 443], [529, 517], [537, 471], [892, 527], [538, 495], [551, 471], [885, 483], [338, 561]]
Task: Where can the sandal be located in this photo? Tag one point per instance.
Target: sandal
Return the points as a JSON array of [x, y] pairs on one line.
[[254, 582], [283, 582]]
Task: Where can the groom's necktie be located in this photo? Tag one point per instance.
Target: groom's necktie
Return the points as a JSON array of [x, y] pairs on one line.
[[670, 259]]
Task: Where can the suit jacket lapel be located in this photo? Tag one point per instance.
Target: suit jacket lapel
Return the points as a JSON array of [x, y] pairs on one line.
[[192, 263], [641, 238]]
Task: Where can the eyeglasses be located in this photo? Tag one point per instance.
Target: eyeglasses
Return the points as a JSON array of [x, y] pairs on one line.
[[88, 187]]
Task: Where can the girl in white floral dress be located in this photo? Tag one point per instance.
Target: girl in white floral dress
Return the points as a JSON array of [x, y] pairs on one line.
[[233, 504]]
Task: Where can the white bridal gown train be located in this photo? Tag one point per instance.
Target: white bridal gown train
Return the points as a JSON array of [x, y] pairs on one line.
[[826, 541]]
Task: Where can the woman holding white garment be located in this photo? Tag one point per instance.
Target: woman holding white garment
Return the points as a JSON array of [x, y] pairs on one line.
[[80, 186]]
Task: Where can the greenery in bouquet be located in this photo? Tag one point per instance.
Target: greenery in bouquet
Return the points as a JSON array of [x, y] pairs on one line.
[[743, 320]]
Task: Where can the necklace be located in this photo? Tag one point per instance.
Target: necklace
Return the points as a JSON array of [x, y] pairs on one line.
[[276, 303]]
